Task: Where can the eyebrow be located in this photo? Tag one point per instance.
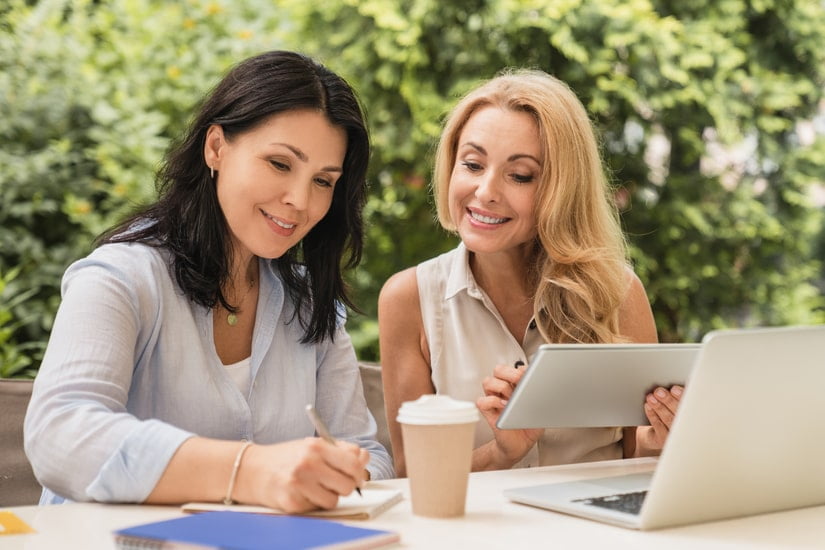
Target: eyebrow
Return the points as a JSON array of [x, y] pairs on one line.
[[511, 158], [303, 157]]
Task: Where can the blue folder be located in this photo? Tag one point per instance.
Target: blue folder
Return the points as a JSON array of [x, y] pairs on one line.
[[244, 531]]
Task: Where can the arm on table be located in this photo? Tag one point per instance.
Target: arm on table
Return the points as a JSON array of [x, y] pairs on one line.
[[295, 476]]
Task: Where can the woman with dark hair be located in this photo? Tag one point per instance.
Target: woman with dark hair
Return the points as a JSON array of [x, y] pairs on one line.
[[189, 343]]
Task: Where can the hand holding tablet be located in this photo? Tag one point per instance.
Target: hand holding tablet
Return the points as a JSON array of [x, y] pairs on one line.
[[594, 385]]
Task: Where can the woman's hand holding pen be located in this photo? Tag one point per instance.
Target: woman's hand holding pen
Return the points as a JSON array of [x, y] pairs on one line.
[[301, 475], [511, 445]]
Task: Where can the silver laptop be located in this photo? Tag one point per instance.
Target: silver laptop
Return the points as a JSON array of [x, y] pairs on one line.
[[593, 385], [749, 438]]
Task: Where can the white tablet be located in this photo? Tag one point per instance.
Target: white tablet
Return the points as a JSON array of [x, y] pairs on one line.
[[594, 385]]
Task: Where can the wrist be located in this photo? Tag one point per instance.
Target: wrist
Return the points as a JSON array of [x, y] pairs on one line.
[[490, 456], [232, 490], [630, 444]]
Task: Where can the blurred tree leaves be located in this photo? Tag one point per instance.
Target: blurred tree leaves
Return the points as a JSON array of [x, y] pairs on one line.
[[698, 104], [91, 92]]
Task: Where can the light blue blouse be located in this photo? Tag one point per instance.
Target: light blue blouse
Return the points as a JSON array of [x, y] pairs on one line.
[[131, 372]]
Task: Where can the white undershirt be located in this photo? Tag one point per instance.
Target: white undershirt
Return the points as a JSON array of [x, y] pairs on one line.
[[241, 374]]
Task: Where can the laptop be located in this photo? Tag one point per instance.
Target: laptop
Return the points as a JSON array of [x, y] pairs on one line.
[[749, 438], [594, 385]]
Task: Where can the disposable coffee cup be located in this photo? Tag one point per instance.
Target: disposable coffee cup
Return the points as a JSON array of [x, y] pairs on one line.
[[438, 449]]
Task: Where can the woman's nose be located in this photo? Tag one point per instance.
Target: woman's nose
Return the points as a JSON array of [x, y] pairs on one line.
[[488, 187], [297, 195]]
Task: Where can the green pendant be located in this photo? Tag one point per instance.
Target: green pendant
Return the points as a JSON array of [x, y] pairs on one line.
[[232, 319]]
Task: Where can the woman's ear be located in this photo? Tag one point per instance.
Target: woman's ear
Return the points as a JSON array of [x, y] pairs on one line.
[[212, 147]]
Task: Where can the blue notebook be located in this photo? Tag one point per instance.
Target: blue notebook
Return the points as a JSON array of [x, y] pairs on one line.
[[243, 531]]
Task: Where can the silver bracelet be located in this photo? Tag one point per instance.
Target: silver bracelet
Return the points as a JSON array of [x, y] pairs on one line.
[[235, 467]]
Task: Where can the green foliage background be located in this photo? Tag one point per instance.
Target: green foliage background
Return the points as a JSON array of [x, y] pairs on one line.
[[707, 110]]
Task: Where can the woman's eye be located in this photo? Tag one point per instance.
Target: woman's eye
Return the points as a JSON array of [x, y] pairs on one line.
[[323, 182], [471, 166], [283, 167], [522, 178]]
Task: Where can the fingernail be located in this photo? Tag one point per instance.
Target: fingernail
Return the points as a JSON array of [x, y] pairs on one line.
[[652, 400], [503, 401], [661, 393], [676, 390], [518, 364]]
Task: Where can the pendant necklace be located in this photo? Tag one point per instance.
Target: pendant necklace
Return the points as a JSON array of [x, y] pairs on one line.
[[232, 318]]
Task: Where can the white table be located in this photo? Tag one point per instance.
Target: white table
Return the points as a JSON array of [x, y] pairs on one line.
[[491, 521]]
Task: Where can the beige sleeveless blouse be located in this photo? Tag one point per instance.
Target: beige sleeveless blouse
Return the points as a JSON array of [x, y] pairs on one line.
[[467, 338]]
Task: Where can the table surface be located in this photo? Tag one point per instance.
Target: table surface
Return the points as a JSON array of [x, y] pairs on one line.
[[491, 520]]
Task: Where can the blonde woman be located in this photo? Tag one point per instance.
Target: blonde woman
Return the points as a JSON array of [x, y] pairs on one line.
[[542, 258]]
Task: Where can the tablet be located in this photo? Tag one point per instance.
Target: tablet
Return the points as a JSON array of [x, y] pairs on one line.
[[594, 385]]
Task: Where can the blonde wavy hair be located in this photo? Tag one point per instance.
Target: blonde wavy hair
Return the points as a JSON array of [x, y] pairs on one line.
[[579, 267]]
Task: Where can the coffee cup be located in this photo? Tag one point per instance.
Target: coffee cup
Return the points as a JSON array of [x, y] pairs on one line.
[[438, 436]]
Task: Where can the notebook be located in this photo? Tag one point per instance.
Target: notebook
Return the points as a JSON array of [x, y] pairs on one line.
[[241, 531], [372, 502], [594, 385], [746, 439]]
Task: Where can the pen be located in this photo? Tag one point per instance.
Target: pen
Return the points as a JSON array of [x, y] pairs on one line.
[[321, 428]]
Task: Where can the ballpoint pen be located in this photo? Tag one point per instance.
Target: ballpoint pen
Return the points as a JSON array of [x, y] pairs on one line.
[[321, 428]]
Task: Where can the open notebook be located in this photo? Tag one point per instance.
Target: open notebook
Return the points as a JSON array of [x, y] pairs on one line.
[[373, 502]]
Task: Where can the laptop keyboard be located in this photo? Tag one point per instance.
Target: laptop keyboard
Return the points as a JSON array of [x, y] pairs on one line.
[[630, 503]]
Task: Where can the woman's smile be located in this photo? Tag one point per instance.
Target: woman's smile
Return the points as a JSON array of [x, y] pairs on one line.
[[279, 225], [483, 218]]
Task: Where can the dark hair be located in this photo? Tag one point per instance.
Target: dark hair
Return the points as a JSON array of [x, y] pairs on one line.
[[188, 221]]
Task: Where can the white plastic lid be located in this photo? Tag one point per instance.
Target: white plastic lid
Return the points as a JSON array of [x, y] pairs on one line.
[[437, 409]]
